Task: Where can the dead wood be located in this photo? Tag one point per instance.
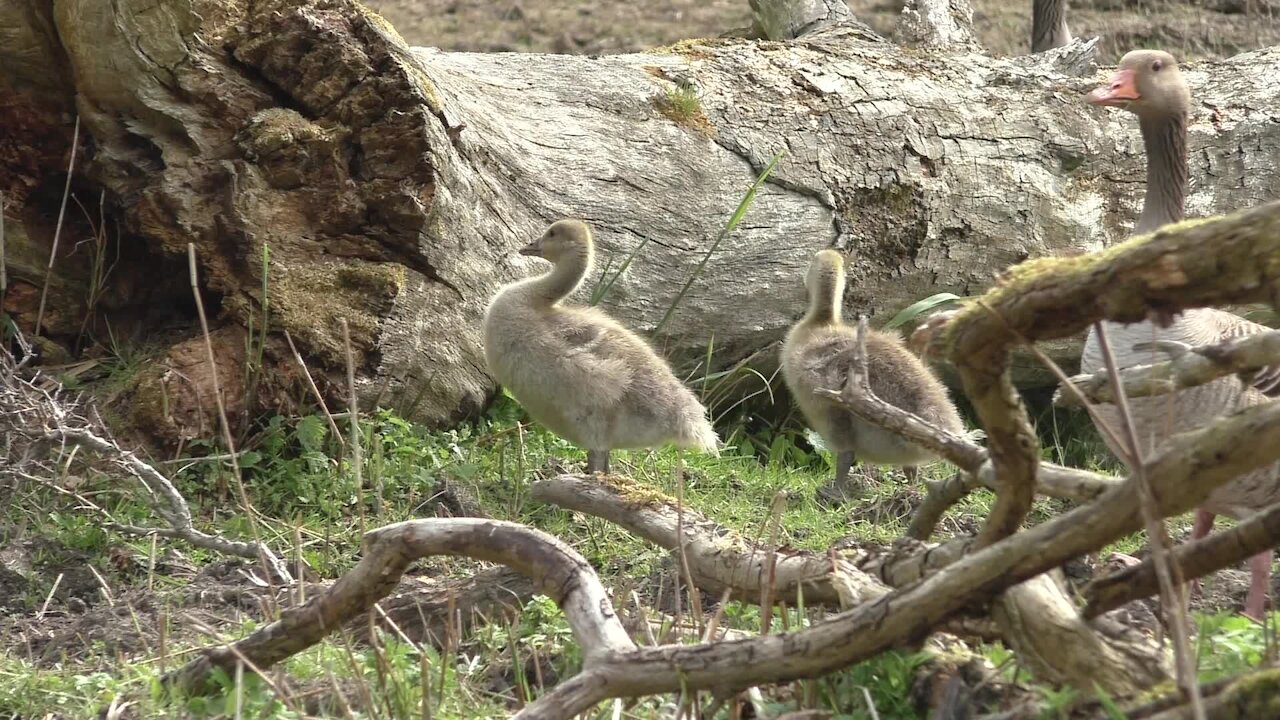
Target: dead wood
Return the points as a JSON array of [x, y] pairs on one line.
[[1196, 559], [43, 426], [1190, 367], [1255, 694], [1182, 476], [1226, 260], [555, 569], [719, 559], [392, 184], [1036, 619]]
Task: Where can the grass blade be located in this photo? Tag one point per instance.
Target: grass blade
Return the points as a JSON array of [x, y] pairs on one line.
[[734, 219]]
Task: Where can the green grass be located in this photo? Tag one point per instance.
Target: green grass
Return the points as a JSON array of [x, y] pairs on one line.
[[300, 482]]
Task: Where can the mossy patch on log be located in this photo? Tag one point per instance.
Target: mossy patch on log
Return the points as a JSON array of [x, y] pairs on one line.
[[309, 300]]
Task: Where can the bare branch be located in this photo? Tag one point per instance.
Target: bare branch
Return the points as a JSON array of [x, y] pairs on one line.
[[940, 497], [719, 559], [1172, 589], [1206, 262], [1053, 480], [1195, 366], [1038, 619], [1182, 477], [1259, 532], [557, 570], [46, 418]]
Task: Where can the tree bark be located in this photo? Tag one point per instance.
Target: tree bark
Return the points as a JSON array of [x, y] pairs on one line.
[[393, 185]]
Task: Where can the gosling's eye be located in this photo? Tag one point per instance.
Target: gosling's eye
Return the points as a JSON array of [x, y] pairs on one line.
[[1155, 66]]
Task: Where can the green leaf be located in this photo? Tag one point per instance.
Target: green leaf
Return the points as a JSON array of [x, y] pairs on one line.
[[249, 459], [916, 309]]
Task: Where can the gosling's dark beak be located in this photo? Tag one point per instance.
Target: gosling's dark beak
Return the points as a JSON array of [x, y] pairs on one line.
[[1121, 90], [533, 249]]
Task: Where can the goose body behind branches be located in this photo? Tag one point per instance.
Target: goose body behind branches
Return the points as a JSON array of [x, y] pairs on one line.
[[579, 372], [1149, 84], [819, 353]]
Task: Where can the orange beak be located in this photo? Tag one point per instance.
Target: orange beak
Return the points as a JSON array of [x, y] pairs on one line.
[[1118, 92]]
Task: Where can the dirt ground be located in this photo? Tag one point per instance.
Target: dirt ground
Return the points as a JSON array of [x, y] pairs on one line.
[[1191, 30]]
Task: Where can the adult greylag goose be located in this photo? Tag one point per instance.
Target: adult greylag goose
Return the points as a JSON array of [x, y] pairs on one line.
[[818, 353], [1149, 84], [1049, 25], [576, 370]]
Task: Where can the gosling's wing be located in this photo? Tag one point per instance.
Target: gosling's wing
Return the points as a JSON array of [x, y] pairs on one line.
[[827, 363], [592, 355]]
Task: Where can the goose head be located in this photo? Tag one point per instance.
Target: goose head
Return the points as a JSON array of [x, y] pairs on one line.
[[1146, 83], [564, 239]]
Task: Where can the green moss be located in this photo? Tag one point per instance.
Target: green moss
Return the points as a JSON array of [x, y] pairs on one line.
[[695, 48], [309, 299], [274, 129], [375, 18], [428, 90], [637, 494], [682, 106], [1256, 695]]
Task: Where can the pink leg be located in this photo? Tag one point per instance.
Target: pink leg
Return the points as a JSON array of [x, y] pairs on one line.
[[1199, 530], [1260, 580]]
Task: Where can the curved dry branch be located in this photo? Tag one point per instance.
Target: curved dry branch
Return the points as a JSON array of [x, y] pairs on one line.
[[1221, 261], [1192, 367], [1257, 533], [557, 570], [1036, 618], [939, 497], [719, 559], [1181, 477]]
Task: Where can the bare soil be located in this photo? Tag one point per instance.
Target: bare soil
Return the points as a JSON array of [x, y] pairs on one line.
[[1190, 30]]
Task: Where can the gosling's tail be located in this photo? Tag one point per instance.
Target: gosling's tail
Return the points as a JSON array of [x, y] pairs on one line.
[[697, 434]]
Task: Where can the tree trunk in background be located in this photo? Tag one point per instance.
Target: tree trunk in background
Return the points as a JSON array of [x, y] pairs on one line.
[[393, 186]]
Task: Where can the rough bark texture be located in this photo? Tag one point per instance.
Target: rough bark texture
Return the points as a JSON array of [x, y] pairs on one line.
[[392, 186]]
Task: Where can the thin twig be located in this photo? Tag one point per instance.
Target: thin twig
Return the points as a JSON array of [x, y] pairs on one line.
[[57, 229], [4, 272], [1172, 590], [270, 563], [1190, 367], [768, 589], [315, 391], [353, 407]]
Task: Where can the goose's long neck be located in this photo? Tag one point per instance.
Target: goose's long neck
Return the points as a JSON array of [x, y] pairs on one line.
[[1049, 25], [824, 304], [1166, 143], [564, 278]]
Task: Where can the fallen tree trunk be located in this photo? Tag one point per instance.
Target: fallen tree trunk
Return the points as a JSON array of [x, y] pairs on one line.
[[391, 186]]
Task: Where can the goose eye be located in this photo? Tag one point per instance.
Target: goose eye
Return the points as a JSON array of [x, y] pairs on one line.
[[1155, 66]]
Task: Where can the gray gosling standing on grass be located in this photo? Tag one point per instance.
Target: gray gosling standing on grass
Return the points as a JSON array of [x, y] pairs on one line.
[[576, 370], [819, 353], [1148, 84]]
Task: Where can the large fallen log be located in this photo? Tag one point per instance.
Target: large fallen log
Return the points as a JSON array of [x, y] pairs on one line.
[[392, 185]]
